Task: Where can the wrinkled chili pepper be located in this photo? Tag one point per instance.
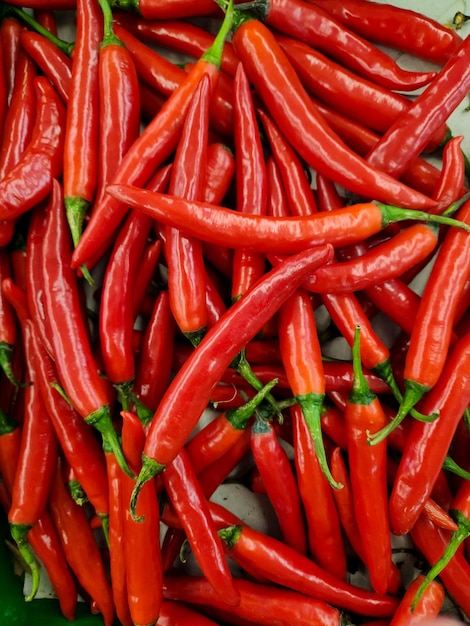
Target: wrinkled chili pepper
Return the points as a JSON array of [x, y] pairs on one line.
[[81, 131], [30, 180], [154, 145], [203, 369]]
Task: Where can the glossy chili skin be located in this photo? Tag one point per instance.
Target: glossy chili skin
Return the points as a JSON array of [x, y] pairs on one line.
[[251, 181], [290, 106], [30, 180], [324, 531], [276, 235], [10, 30], [365, 101], [428, 444], [170, 9], [154, 145], [368, 465], [281, 487], [179, 35], [257, 602], [220, 346], [312, 24], [81, 133], [79, 545], [265, 555], [8, 322], [428, 607], [172, 613], [396, 27], [187, 498], [405, 139], [56, 65], [184, 254]]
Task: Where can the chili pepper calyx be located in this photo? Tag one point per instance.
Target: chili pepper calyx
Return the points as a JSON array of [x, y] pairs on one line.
[[311, 405], [196, 336], [240, 416], [360, 392], [101, 420], [150, 468], [457, 538], [230, 535], [19, 533], [6, 351], [244, 369]]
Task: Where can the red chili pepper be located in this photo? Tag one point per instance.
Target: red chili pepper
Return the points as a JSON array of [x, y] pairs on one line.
[[264, 233], [395, 26], [8, 322], [428, 443], [143, 562], [292, 109], [76, 365], [119, 103], [206, 365], [36, 464], [174, 613], [188, 500], [428, 607], [432, 331], [169, 9], [81, 132], [156, 143], [30, 180], [10, 35], [251, 181], [147, 268], [405, 139], [325, 538], [79, 545], [257, 602], [77, 441], [116, 321], [274, 466], [362, 100], [181, 36], [315, 26], [55, 64], [186, 271], [259, 553], [364, 415]]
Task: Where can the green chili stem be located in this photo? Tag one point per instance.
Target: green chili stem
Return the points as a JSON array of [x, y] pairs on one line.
[[360, 392], [65, 46], [19, 533], [6, 352], [109, 36], [214, 53], [150, 468], [244, 369], [240, 416]]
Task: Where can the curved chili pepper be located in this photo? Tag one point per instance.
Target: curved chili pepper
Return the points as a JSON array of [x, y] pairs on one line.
[[81, 131], [262, 554], [186, 272], [277, 235], [364, 414], [315, 26], [257, 602], [206, 365], [169, 9], [432, 542], [281, 487], [77, 441], [36, 464], [79, 545], [76, 365], [173, 613], [405, 139], [280, 89], [182, 36], [365, 101], [119, 103], [395, 26], [251, 181], [30, 180], [382, 262], [429, 606], [417, 472], [55, 64], [431, 335], [157, 142], [187, 498], [324, 532]]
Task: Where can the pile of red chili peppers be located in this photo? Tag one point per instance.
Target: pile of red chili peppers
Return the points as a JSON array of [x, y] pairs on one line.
[[181, 246]]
